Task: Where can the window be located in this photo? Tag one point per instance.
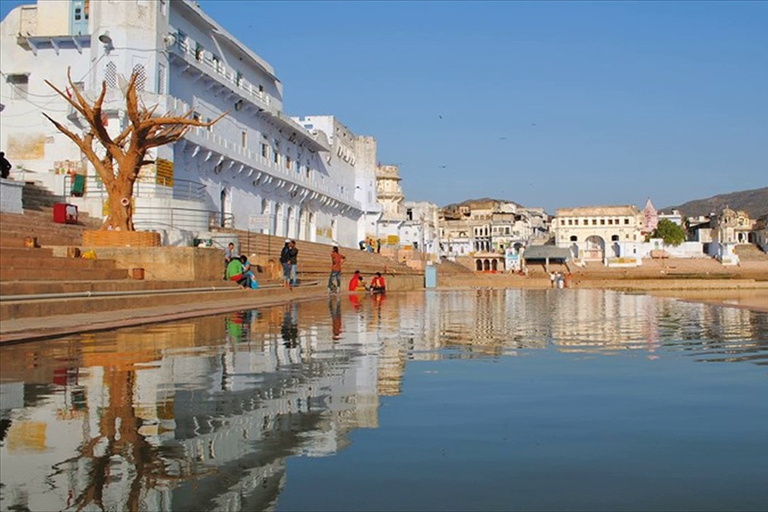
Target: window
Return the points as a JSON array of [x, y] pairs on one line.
[[409, 214], [275, 156], [238, 78], [602, 222], [19, 86], [570, 222], [574, 238], [141, 76], [110, 75], [610, 222], [614, 238], [244, 138], [626, 221], [199, 51], [264, 150], [594, 222], [288, 162]]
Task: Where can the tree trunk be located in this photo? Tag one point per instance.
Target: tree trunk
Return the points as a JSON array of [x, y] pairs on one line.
[[120, 203]]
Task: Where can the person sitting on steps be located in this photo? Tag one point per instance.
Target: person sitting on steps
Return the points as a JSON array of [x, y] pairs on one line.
[[378, 285]]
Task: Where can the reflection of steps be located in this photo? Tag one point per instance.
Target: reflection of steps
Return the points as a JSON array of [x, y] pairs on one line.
[[750, 252]]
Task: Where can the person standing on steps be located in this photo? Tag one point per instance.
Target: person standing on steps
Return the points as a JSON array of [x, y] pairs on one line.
[[285, 262], [334, 280], [5, 166], [293, 262]]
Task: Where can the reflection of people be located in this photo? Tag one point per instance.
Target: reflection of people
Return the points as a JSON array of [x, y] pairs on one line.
[[377, 284], [357, 283], [238, 326], [290, 330], [355, 300], [334, 280], [334, 306]]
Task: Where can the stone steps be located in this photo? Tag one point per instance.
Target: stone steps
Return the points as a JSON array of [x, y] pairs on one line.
[[74, 274], [315, 258], [750, 252], [11, 288], [13, 310]]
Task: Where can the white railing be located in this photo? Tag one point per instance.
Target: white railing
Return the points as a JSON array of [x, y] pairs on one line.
[[249, 157], [219, 68], [145, 187]]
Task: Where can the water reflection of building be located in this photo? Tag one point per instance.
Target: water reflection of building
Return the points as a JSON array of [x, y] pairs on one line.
[[203, 414], [178, 420]]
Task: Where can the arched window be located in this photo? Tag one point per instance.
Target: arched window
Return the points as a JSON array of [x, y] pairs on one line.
[[614, 238], [479, 265], [486, 265], [574, 238]]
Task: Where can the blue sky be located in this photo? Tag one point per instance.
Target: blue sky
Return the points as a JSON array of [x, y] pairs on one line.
[[551, 104]]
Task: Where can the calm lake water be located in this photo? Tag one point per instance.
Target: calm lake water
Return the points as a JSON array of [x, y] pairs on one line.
[[455, 400]]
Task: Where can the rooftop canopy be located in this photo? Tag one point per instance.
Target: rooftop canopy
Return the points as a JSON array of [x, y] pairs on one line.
[[546, 252]]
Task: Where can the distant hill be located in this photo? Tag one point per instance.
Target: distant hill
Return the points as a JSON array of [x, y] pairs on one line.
[[483, 202], [754, 202]]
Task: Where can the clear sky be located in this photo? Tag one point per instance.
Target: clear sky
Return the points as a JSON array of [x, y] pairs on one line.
[[551, 104]]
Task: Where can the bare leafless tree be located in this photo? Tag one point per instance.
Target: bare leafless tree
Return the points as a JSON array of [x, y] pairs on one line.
[[124, 155]]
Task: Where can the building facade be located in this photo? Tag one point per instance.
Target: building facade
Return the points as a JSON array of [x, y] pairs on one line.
[[256, 169], [597, 233]]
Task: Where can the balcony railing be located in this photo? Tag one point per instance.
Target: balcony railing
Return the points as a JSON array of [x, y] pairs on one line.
[[145, 186], [218, 68], [188, 219]]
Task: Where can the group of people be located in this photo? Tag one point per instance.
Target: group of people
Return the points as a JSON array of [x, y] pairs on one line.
[[238, 268], [560, 280], [357, 282], [370, 245]]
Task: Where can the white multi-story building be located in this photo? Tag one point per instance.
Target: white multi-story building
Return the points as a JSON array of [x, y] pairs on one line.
[[255, 169], [352, 164], [419, 230]]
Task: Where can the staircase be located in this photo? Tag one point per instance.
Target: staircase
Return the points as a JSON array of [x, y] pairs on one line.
[[35, 197], [750, 252], [314, 261]]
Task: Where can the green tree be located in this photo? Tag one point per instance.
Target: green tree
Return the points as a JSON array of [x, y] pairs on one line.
[[671, 233]]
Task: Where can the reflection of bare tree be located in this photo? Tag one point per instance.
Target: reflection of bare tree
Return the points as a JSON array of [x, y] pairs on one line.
[[119, 429]]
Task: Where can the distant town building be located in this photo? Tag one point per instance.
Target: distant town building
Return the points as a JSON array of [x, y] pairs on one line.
[[596, 233], [490, 233]]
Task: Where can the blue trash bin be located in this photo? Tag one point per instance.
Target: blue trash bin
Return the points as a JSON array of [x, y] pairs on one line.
[[430, 276]]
